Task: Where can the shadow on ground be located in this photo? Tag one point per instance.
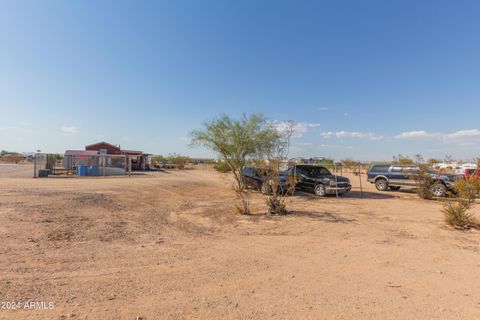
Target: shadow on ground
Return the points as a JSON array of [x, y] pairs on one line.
[[323, 216], [351, 194], [368, 195]]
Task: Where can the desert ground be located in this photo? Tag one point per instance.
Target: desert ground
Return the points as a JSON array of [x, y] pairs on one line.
[[171, 246]]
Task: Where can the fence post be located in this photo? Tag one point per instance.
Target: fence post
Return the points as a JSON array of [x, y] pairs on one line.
[[35, 165], [360, 177], [336, 186]]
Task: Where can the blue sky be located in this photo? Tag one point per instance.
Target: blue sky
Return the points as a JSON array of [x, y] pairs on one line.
[[365, 79]]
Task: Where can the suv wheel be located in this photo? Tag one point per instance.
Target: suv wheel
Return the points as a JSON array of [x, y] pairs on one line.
[[266, 189], [320, 190], [438, 190], [381, 185]]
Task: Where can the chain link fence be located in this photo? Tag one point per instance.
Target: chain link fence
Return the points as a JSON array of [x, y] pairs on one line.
[[81, 165]]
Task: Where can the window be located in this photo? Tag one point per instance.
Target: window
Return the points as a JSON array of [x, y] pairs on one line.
[[397, 169], [324, 171], [411, 170], [380, 168], [319, 171]]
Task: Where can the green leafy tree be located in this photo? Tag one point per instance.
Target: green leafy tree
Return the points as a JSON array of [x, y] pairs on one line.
[[236, 141], [222, 167]]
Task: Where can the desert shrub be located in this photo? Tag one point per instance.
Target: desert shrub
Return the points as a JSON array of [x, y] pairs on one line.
[[457, 215], [401, 159], [457, 212], [222, 167], [424, 183], [178, 160], [276, 205], [467, 188], [432, 161], [12, 157]]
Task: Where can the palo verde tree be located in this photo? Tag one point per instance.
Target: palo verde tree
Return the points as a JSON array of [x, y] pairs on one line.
[[276, 157], [236, 141]]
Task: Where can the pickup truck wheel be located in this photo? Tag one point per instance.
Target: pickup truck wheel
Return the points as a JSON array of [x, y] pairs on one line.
[[266, 189], [381, 185], [320, 190], [438, 190]]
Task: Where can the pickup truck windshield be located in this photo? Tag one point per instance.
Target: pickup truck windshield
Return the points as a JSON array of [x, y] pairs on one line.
[[321, 171]]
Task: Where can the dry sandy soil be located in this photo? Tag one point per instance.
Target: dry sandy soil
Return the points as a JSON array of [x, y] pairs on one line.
[[170, 246]]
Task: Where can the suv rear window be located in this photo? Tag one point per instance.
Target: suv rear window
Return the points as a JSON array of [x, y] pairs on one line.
[[380, 168]]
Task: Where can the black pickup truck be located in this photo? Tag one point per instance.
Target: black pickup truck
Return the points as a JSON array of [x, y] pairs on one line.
[[260, 179], [315, 179], [318, 180], [396, 176]]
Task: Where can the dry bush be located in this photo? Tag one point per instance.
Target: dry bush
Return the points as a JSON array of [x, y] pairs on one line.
[[468, 188], [424, 183], [178, 160], [401, 159], [276, 205], [12, 158], [457, 212]]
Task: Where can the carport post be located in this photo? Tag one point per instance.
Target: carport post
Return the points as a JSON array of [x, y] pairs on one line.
[[360, 177], [35, 165]]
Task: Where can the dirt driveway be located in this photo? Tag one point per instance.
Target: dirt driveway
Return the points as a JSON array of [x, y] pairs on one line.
[[170, 246]]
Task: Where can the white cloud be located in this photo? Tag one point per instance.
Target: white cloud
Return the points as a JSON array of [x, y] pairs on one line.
[[306, 144], [416, 134], [69, 130], [351, 134], [456, 136], [20, 127], [299, 128], [472, 133], [334, 146]]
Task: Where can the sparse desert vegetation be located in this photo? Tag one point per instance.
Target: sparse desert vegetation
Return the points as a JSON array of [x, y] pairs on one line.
[[171, 245]]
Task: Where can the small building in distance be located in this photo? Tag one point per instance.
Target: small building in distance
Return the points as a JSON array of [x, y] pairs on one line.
[[313, 161], [139, 160], [104, 158]]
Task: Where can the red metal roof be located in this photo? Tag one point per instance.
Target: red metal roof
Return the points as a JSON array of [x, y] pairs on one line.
[[102, 142], [81, 152]]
